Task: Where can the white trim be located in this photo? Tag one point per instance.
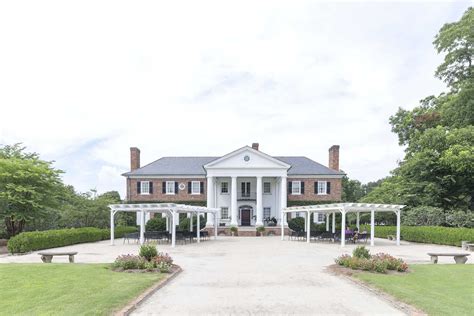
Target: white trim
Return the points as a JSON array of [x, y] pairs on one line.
[[325, 187], [293, 186], [245, 148], [166, 188], [144, 176], [316, 176], [142, 185], [192, 187]]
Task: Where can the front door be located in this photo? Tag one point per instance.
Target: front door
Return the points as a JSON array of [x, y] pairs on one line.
[[245, 217]]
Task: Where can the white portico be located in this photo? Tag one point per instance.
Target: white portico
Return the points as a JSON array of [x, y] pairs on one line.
[[249, 186]]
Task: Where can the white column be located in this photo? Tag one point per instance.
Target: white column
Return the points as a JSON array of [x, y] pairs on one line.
[[398, 227], [142, 227], [315, 217], [190, 222], [308, 226], [358, 221], [233, 202], [327, 221], [372, 227], [282, 226], [283, 193], [259, 204], [343, 228], [173, 230], [210, 200], [167, 222], [112, 228], [198, 228], [333, 222], [215, 227]]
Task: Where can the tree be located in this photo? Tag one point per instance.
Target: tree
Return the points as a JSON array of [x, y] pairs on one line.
[[28, 187], [438, 167], [352, 190]]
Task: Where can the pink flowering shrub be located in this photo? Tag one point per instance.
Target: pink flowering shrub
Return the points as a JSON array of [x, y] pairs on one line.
[[380, 263]]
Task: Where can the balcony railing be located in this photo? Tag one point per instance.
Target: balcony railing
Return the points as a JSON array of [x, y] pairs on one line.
[[246, 196]]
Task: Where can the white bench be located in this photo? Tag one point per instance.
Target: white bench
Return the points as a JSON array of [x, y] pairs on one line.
[[46, 257], [460, 258]]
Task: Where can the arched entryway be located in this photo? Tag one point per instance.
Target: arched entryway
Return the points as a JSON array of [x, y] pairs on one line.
[[246, 213]]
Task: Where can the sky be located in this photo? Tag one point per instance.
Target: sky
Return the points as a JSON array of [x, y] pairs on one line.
[[83, 81]]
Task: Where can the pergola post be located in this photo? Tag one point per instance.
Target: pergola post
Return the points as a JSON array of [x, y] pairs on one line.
[[327, 222], [308, 226], [343, 228], [333, 222], [398, 227], [282, 226], [198, 228], [167, 218], [173, 228], [215, 225], [358, 221], [142, 227], [191, 222], [372, 227], [112, 227]]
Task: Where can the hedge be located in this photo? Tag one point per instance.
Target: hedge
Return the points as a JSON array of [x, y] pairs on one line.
[[427, 234], [30, 241]]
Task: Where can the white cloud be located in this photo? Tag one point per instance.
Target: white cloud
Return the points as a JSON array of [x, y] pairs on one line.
[[82, 82]]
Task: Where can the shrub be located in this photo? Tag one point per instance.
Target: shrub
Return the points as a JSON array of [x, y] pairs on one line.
[[164, 267], [162, 257], [30, 241], [296, 224], [361, 252], [379, 263], [148, 252], [185, 222], [428, 234], [129, 262], [156, 224], [234, 229], [261, 230]]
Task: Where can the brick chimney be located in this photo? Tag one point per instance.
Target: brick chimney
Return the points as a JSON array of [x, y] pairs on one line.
[[255, 146], [134, 158], [334, 157]]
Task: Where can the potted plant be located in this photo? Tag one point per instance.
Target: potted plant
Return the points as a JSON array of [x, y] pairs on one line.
[[234, 230], [261, 230]]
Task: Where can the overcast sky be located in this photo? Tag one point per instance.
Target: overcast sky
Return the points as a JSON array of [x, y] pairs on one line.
[[82, 81]]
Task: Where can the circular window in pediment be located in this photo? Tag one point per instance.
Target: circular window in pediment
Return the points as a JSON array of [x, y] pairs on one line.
[[246, 158]]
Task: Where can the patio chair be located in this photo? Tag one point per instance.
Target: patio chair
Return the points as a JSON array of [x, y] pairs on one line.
[[134, 236], [326, 236]]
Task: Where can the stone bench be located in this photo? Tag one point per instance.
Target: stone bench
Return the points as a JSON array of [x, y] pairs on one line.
[[460, 258], [470, 247], [46, 257]]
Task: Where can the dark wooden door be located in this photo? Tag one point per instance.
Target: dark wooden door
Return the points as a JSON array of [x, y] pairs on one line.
[[245, 220]]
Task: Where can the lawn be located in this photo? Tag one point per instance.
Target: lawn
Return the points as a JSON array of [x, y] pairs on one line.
[[72, 289], [436, 289]]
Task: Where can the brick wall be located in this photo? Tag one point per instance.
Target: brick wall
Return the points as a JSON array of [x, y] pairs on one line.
[[157, 194], [309, 195]]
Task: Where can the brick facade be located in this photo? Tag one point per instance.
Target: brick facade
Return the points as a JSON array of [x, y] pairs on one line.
[[157, 195], [309, 195]]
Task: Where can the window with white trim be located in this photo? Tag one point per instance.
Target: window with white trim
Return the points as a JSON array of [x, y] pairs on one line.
[[169, 187], [195, 187], [225, 187], [297, 214], [267, 212], [322, 187], [267, 187], [295, 187], [144, 187], [320, 217], [224, 213]]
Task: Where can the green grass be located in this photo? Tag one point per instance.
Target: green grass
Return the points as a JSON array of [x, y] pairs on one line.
[[436, 289], [68, 289]]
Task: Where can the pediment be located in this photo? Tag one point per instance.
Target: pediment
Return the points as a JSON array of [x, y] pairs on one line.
[[247, 158]]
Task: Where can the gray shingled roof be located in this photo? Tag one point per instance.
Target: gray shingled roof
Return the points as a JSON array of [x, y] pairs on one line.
[[193, 166]]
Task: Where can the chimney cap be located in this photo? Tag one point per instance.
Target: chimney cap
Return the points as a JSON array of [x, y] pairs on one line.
[[255, 146], [334, 147], [134, 148]]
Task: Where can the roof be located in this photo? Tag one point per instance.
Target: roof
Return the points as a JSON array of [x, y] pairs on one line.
[[194, 166]]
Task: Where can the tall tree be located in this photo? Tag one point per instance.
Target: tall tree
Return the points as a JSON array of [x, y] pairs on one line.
[[438, 168], [28, 187]]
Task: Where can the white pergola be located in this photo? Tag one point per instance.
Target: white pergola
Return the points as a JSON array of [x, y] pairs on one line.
[[344, 208], [171, 210]]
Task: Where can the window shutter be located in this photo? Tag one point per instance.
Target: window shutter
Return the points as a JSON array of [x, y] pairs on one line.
[[201, 187], [163, 187], [302, 187], [316, 187], [328, 187], [290, 187], [175, 187], [139, 187], [151, 187], [189, 187]]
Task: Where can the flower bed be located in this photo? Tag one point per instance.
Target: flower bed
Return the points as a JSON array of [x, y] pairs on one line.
[[362, 260], [149, 260]]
